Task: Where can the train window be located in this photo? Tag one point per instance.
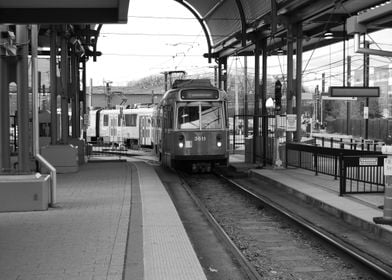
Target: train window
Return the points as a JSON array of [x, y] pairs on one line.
[[130, 119], [105, 120], [211, 117], [188, 117]]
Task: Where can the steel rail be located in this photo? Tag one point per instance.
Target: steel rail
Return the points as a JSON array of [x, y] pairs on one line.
[[334, 241], [246, 266]]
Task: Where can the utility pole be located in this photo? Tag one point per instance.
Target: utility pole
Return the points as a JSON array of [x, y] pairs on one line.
[[108, 94]]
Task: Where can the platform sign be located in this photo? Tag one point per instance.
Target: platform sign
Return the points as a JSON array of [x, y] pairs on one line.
[[291, 122], [388, 166], [354, 91], [368, 161], [325, 97]]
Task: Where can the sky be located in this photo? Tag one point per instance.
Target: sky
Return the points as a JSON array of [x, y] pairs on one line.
[[161, 35]]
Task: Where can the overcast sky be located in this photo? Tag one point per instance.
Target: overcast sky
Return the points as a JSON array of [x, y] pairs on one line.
[[162, 35]]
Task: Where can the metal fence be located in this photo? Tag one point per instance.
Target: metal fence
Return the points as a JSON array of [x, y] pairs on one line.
[[362, 174], [240, 134], [353, 167], [348, 143], [377, 128]]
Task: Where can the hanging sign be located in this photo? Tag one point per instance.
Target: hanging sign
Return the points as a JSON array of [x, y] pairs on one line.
[[388, 166], [365, 113], [354, 91], [291, 122]]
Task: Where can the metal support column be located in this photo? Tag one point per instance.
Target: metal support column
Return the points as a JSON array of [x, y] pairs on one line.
[[84, 86], [77, 98], [366, 84], [24, 137], [84, 96], [263, 93], [348, 130], [53, 85], [64, 95], [5, 162], [289, 93], [75, 95], [246, 120], [257, 96], [298, 99]]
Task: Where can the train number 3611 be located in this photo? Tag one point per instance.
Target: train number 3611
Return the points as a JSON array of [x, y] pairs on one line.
[[200, 138]]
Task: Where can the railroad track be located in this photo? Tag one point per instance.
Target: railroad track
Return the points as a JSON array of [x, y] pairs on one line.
[[271, 242]]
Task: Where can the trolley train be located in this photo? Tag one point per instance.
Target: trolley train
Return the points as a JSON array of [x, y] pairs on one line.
[[190, 126], [129, 127]]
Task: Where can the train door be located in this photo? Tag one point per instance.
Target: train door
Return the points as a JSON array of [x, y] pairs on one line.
[[167, 135], [145, 130], [113, 135]]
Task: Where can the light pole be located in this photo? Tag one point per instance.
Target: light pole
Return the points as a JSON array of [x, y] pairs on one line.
[[108, 93]]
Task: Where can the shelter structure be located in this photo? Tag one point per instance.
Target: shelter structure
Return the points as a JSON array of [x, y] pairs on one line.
[[67, 31], [261, 28]]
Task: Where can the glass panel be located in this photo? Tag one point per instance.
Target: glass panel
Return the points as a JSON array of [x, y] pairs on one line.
[[188, 117], [105, 120], [211, 117], [130, 119]]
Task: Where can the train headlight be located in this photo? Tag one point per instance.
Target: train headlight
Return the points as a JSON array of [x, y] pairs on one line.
[[219, 141], [181, 141]]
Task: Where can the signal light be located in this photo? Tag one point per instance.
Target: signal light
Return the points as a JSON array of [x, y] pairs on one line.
[[278, 95]]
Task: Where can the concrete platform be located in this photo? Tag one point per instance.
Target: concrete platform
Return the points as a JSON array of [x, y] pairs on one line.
[[168, 252], [87, 236], [323, 191]]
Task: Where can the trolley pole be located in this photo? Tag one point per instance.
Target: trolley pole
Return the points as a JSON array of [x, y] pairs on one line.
[[387, 217]]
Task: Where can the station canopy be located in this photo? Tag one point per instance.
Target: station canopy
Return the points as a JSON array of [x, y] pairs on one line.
[[63, 11], [232, 26]]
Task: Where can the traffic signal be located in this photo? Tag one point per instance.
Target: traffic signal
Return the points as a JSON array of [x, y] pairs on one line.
[[278, 95]]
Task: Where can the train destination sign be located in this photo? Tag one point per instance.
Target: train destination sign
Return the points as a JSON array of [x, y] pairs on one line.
[[199, 94], [354, 91]]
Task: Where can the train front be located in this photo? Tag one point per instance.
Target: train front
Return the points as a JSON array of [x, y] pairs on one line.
[[200, 136]]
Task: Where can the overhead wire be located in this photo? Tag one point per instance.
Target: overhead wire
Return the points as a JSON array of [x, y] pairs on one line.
[[319, 39]]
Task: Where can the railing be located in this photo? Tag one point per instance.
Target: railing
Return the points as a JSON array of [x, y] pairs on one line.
[[238, 134], [348, 165], [99, 149], [348, 143], [362, 174]]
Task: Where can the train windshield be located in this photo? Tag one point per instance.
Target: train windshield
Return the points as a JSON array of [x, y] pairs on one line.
[[206, 115]]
